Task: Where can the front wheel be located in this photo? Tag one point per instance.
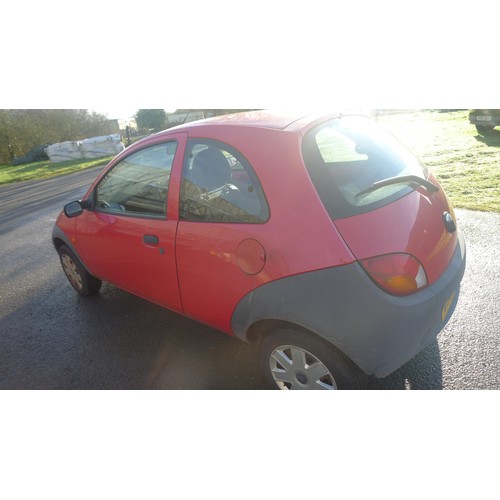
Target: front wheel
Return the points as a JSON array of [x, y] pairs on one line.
[[81, 280], [296, 359]]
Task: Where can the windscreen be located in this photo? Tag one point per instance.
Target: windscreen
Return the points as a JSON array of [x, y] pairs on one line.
[[346, 156]]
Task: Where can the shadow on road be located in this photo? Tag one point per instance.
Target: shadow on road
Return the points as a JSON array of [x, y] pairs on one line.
[[116, 341]]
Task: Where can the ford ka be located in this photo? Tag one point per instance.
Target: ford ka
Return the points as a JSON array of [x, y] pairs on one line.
[[318, 237]]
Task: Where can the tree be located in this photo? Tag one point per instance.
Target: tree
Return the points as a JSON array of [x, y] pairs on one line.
[[155, 119], [22, 129]]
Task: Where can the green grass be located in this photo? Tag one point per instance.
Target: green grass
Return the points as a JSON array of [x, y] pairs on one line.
[[43, 169], [466, 164]]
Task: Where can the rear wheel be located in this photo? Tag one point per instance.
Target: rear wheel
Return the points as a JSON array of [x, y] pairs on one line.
[[296, 359], [81, 280]]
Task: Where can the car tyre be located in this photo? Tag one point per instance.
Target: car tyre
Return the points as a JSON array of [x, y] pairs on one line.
[[80, 279], [298, 359]]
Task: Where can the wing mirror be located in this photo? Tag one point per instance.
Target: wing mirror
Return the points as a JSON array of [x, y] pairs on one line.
[[75, 208]]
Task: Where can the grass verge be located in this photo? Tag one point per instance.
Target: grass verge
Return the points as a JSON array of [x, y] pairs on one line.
[[43, 169]]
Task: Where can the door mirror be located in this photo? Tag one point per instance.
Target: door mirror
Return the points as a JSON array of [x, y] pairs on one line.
[[73, 209]]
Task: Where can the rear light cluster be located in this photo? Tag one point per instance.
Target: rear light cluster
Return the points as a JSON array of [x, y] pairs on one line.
[[398, 273]]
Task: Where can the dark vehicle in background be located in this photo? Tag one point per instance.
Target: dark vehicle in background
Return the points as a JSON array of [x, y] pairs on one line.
[[485, 120]]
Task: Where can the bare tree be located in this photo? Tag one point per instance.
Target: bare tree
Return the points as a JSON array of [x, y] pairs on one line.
[[26, 128]]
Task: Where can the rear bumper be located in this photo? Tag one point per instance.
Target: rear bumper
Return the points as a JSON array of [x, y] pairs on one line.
[[377, 331], [487, 121]]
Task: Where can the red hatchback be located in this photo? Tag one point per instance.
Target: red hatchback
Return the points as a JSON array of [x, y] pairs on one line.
[[319, 237]]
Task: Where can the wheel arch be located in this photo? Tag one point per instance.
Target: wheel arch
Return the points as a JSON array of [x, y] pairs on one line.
[[58, 242], [60, 239], [257, 331], [262, 328], [346, 373]]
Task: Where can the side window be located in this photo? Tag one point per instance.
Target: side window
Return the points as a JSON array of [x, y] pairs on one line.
[[219, 185], [138, 185]]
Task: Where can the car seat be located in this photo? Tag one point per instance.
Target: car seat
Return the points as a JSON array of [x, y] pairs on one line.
[[210, 169]]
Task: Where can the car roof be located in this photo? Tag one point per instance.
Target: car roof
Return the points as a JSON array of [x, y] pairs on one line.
[[290, 121], [279, 120]]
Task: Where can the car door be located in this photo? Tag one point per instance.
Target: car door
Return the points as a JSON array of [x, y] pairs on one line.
[[221, 233], [128, 237]]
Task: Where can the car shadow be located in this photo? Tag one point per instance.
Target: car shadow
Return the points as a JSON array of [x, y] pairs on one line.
[[171, 351], [423, 372], [490, 138], [165, 350], [116, 340]]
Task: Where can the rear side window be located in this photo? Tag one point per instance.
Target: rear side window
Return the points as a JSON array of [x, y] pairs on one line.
[[219, 185], [346, 156]]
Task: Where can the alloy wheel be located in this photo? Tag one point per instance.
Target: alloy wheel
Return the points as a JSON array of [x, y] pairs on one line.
[[71, 271], [295, 368]]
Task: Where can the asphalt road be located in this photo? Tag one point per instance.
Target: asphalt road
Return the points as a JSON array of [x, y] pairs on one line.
[[50, 338]]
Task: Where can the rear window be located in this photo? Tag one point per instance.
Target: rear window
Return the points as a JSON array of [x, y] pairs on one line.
[[346, 156]]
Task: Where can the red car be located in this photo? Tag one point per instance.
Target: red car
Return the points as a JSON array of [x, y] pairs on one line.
[[319, 237]]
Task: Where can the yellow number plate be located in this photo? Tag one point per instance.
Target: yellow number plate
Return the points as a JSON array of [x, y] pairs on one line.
[[446, 307]]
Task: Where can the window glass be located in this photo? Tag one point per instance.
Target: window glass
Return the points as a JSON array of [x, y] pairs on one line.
[[138, 185], [335, 146], [345, 157], [218, 185]]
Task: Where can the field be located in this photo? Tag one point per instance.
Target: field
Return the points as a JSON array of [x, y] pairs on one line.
[[466, 163]]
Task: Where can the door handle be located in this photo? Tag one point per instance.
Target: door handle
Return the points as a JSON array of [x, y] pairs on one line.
[[151, 239]]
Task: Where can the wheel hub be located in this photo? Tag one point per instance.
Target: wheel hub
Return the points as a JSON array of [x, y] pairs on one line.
[[71, 271], [293, 367]]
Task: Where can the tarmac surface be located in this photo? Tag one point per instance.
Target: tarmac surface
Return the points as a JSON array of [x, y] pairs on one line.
[[50, 338]]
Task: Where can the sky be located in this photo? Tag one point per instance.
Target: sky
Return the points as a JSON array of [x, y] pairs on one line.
[[117, 113], [362, 58]]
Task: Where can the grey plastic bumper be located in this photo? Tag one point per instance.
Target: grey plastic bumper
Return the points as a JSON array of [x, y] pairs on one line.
[[379, 332]]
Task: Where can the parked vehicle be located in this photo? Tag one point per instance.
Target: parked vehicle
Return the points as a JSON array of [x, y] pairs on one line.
[[485, 120], [319, 237]]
